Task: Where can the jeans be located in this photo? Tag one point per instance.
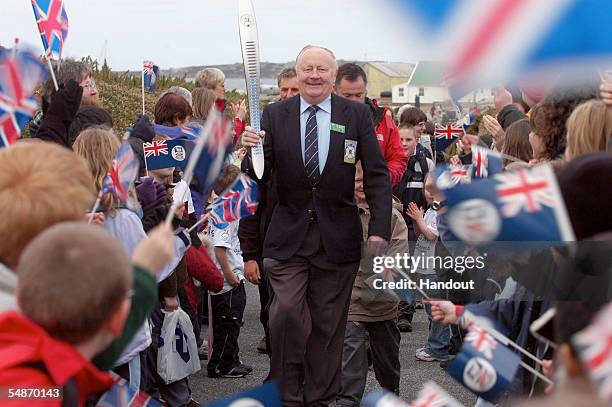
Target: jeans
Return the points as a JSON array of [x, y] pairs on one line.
[[438, 340]]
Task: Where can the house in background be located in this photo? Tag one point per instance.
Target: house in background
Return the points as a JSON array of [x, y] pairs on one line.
[[383, 75], [427, 82]]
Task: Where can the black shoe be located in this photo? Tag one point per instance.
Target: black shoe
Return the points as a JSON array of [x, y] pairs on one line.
[[193, 403], [246, 367], [404, 325], [235, 373]]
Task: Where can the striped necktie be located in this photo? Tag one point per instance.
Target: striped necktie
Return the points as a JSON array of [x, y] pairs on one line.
[[311, 150]]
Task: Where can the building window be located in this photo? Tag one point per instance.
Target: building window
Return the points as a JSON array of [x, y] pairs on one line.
[[400, 92], [421, 91]]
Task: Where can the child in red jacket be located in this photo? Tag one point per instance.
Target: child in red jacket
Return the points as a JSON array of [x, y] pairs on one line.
[[74, 291]]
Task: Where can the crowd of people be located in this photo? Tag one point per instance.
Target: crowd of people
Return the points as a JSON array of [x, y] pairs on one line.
[[84, 295]]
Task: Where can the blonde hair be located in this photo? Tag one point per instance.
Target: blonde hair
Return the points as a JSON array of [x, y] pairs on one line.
[[209, 78], [73, 278], [41, 184], [589, 128], [98, 146], [203, 100]]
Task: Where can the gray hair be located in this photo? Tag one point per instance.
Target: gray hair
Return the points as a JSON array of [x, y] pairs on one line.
[[69, 69], [209, 78], [179, 90], [307, 47]]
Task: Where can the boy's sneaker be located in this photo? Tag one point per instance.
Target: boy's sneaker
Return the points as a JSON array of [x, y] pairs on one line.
[[235, 373], [422, 355], [246, 367]]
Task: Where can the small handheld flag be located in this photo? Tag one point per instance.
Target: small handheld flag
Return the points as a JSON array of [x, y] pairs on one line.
[[166, 154], [122, 173], [52, 22], [190, 132], [239, 201], [484, 366], [446, 135], [594, 346], [485, 162], [209, 154], [20, 73], [451, 175], [523, 205], [150, 71]]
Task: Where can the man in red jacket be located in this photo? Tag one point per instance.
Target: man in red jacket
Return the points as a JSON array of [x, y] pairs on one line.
[[351, 82]]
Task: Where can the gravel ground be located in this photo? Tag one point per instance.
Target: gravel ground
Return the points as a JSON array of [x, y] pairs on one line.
[[414, 372]]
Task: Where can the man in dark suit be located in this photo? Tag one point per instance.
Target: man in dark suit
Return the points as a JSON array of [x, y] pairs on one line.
[[312, 247]]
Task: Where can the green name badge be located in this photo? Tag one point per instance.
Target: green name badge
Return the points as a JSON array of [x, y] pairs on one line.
[[337, 127]]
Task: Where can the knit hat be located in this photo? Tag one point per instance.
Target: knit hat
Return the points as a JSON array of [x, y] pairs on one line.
[[587, 197]]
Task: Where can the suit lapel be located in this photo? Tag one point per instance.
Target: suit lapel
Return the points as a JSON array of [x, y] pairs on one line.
[[336, 139], [292, 130]]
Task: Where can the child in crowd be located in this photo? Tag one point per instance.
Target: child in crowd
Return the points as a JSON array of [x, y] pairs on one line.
[[372, 314], [74, 291], [227, 305], [437, 346], [99, 147]]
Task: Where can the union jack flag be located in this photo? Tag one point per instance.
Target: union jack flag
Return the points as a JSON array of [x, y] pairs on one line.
[[147, 67], [524, 205], [452, 175], [446, 135], [481, 341], [450, 132], [20, 73], [149, 71], [190, 132], [155, 148], [52, 22], [212, 149], [594, 345], [525, 190], [122, 394], [485, 162], [240, 200], [122, 173]]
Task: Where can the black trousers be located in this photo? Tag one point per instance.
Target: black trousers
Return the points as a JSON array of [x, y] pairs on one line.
[[227, 311]]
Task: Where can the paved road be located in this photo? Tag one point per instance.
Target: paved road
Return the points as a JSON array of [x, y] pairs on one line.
[[414, 373]]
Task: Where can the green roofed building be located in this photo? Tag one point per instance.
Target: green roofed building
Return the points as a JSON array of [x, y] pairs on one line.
[[427, 82]]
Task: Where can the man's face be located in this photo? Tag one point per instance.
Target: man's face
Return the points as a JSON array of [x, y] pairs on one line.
[[355, 91], [409, 140], [90, 93], [288, 88], [316, 71]]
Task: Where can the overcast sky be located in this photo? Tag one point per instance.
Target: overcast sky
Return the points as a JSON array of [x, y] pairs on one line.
[[177, 33]]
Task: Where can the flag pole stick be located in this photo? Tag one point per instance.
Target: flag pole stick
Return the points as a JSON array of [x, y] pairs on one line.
[[143, 90], [52, 72], [95, 207], [535, 372], [198, 223]]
